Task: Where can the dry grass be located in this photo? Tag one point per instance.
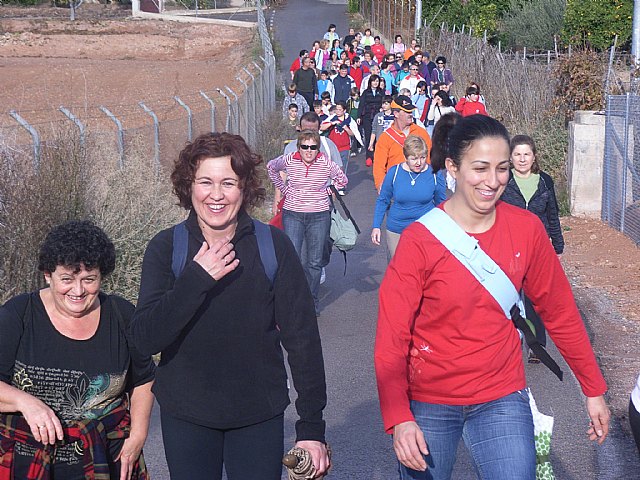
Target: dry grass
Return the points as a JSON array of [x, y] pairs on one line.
[[76, 182]]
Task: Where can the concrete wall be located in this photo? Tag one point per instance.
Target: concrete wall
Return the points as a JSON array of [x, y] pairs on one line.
[[584, 163]]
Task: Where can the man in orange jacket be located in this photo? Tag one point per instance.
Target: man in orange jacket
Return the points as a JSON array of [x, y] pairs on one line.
[[388, 150]]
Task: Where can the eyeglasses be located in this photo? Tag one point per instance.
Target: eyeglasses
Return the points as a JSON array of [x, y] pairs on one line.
[[309, 147]]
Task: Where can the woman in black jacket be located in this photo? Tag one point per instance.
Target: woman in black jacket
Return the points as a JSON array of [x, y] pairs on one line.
[[532, 189], [213, 304], [370, 104]]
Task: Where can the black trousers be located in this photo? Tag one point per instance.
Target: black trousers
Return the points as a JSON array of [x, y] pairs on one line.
[[194, 451], [308, 96], [634, 420]]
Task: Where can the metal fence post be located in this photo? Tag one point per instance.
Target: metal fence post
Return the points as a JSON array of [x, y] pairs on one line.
[[77, 121], [236, 116], [625, 159], [227, 127], [213, 110], [606, 165], [156, 133], [189, 117], [34, 136], [120, 136], [246, 132]]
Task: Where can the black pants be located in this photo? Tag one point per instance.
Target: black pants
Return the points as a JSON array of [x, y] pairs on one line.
[[308, 96], [541, 333], [634, 420], [194, 451]]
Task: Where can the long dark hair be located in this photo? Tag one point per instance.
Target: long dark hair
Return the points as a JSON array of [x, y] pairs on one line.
[[440, 140], [379, 90]]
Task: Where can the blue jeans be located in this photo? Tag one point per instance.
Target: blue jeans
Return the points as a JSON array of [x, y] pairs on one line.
[[312, 230], [498, 434], [344, 156]]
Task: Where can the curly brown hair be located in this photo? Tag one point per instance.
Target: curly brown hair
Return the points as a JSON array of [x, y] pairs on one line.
[[214, 145]]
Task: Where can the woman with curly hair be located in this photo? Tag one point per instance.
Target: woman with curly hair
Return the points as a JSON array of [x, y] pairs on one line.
[[219, 318], [75, 394]]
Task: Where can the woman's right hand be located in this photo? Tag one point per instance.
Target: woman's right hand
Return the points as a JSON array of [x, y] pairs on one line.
[[375, 236], [217, 260], [45, 425], [410, 445]]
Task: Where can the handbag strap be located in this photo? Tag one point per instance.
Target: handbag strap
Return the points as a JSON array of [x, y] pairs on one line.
[[468, 251], [344, 207]]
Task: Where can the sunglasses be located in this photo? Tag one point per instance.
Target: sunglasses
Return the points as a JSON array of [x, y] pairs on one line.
[[440, 63], [309, 147], [414, 69]]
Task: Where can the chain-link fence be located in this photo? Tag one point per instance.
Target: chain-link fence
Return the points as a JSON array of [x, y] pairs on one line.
[[238, 106], [621, 169]]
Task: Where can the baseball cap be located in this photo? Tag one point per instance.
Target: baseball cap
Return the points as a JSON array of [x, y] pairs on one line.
[[402, 102]]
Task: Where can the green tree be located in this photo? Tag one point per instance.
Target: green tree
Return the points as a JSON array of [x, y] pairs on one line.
[[533, 23], [595, 23], [480, 15]]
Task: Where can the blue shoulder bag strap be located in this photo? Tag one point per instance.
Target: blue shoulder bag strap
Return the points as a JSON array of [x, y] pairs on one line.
[[180, 248], [265, 247], [466, 249]]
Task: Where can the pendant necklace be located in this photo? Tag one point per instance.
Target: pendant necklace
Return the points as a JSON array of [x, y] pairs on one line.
[[413, 180]]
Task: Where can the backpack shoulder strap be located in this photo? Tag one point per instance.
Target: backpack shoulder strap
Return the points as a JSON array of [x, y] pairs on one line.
[[266, 249], [180, 248]]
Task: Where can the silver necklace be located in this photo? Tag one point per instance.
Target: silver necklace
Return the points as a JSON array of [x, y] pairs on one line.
[[413, 180]]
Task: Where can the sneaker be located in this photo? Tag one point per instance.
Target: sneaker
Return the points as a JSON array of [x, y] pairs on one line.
[[353, 154], [323, 276], [368, 162], [342, 193]]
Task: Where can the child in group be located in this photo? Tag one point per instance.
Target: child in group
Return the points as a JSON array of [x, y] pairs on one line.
[[326, 101], [471, 104], [325, 84], [352, 109], [317, 108], [292, 119], [381, 121]]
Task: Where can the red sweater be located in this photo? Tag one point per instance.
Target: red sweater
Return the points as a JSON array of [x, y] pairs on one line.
[[466, 108], [442, 338]]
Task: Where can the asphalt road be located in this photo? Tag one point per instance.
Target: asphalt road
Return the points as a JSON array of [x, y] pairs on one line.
[[347, 325]]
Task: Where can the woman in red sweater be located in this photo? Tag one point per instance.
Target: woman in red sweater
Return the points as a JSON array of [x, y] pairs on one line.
[[471, 104], [448, 360]]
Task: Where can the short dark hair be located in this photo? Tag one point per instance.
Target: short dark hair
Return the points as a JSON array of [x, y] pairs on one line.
[[387, 98], [356, 59], [310, 117], [377, 37], [472, 90], [324, 95], [344, 66], [324, 72], [441, 59], [77, 243], [343, 104], [317, 103], [303, 52], [292, 106], [214, 145]]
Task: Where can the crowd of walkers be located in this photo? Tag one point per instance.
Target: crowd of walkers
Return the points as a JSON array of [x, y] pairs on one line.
[[221, 293]]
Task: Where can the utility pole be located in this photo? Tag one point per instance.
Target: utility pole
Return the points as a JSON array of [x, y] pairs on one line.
[[419, 16]]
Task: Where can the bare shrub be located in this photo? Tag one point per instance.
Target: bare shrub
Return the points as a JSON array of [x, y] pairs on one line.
[[131, 205], [519, 92], [75, 182]]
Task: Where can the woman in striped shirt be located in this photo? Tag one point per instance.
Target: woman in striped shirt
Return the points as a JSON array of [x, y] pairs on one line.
[[305, 213]]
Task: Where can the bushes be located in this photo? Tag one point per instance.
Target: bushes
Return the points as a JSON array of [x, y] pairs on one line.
[[73, 182], [579, 83], [533, 23], [594, 24]]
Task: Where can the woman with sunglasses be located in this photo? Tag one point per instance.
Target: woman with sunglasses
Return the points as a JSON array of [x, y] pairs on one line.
[[305, 213], [411, 81], [441, 74]]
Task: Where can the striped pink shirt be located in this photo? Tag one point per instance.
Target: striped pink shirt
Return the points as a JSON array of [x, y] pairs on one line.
[[306, 187]]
